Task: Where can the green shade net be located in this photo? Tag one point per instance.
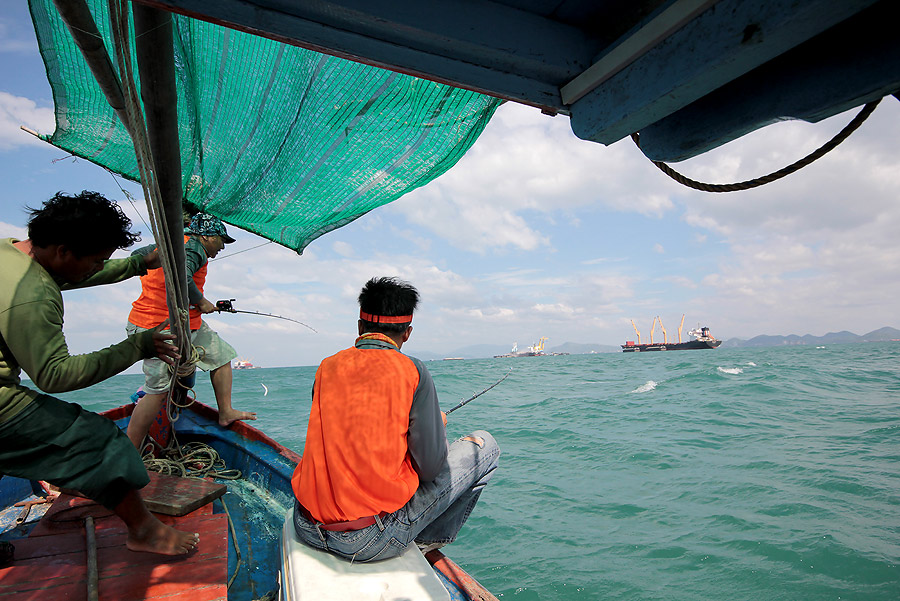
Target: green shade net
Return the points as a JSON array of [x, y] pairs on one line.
[[281, 141]]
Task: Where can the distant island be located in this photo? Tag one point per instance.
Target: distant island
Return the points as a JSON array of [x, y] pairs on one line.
[[483, 351]]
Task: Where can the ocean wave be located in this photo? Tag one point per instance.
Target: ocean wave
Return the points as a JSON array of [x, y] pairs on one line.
[[730, 370], [650, 385]]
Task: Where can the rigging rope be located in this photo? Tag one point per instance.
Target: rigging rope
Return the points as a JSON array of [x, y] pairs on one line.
[[175, 286], [776, 175], [137, 127]]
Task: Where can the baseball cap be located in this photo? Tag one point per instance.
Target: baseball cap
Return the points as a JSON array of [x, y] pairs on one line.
[[204, 224]]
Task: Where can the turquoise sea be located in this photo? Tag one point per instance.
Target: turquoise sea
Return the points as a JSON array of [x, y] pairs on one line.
[[738, 474]]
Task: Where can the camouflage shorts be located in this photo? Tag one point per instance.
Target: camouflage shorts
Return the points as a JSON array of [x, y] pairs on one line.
[[214, 352]]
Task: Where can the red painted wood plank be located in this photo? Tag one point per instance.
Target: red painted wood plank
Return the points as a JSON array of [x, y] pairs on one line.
[[32, 575], [61, 546], [51, 566], [69, 590]]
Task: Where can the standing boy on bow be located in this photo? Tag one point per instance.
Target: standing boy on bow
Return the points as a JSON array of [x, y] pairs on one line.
[[204, 238]]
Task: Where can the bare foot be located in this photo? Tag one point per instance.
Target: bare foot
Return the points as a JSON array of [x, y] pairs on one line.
[[226, 418], [162, 539]]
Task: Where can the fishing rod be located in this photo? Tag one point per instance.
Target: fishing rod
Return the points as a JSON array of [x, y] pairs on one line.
[[227, 307], [475, 396]]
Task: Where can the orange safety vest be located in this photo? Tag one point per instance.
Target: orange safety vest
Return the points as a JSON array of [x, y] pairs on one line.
[[356, 460], [150, 309]]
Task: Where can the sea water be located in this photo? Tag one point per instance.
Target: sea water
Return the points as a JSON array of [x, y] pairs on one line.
[[734, 474]]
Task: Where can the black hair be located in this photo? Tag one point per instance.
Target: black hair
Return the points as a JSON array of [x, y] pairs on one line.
[[390, 297], [86, 224]]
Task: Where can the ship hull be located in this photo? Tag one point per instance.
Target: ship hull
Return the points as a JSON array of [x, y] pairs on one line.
[[678, 346]]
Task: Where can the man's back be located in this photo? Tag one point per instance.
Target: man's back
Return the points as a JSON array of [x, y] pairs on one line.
[[356, 461]]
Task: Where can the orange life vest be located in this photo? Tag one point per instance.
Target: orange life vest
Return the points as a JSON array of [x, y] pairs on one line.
[[150, 309], [356, 460]]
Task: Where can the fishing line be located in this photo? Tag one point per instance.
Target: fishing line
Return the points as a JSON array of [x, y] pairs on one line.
[[227, 307], [475, 396], [242, 251]]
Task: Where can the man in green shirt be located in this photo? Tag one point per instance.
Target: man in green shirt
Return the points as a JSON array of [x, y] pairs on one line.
[[70, 240]]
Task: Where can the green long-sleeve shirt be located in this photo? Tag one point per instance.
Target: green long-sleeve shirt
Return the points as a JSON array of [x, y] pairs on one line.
[[31, 331]]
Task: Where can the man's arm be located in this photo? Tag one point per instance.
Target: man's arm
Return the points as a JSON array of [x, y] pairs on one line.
[[114, 270], [194, 259], [39, 346], [427, 438]]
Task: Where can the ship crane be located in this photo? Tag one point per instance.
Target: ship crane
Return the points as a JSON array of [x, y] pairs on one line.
[[663, 328], [681, 325], [636, 331], [653, 327]]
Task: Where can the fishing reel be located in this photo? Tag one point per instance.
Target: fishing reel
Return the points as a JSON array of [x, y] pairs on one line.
[[225, 305]]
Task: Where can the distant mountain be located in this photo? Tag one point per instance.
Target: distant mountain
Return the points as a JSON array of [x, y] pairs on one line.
[[843, 337], [882, 335], [486, 351]]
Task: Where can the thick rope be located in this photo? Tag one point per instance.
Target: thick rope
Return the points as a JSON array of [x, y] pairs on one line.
[[136, 125], [776, 175], [192, 460]]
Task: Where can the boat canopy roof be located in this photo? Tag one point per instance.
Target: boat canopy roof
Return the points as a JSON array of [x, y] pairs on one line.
[[276, 139], [689, 75]]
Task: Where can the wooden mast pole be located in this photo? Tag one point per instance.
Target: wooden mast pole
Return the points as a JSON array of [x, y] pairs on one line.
[[156, 68]]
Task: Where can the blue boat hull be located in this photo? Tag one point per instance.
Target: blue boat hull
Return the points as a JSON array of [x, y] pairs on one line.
[[256, 504]]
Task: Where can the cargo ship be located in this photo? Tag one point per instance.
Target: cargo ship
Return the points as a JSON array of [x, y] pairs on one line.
[[535, 350], [702, 339]]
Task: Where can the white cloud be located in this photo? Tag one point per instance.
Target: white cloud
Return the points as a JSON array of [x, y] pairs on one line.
[[342, 248], [524, 165], [16, 111], [8, 230]]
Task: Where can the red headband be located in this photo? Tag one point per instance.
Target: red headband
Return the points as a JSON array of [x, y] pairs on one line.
[[384, 318]]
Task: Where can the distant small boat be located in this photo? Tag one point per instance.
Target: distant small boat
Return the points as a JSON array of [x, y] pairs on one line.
[[702, 340], [243, 364]]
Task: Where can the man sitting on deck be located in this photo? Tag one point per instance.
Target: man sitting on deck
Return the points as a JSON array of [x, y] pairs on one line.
[[376, 472], [204, 238], [70, 240]]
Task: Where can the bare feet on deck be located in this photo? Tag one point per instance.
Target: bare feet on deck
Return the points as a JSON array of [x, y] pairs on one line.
[[226, 418], [162, 539]]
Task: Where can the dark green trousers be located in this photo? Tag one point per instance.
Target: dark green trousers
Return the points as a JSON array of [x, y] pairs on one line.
[[69, 447]]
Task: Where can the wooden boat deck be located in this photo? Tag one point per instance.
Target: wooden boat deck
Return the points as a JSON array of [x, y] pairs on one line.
[[51, 563]]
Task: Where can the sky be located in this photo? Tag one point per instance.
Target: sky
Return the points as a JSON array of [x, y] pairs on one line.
[[534, 233]]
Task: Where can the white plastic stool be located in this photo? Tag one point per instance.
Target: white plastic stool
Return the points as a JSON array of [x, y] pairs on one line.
[[308, 574]]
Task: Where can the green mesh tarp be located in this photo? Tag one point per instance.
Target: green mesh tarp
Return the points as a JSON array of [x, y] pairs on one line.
[[275, 139]]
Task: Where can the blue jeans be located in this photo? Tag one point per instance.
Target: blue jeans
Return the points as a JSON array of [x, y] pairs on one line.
[[434, 514]]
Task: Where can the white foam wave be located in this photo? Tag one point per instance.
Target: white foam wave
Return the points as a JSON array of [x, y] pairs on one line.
[[751, 363], [650, 385], [730, 370]]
